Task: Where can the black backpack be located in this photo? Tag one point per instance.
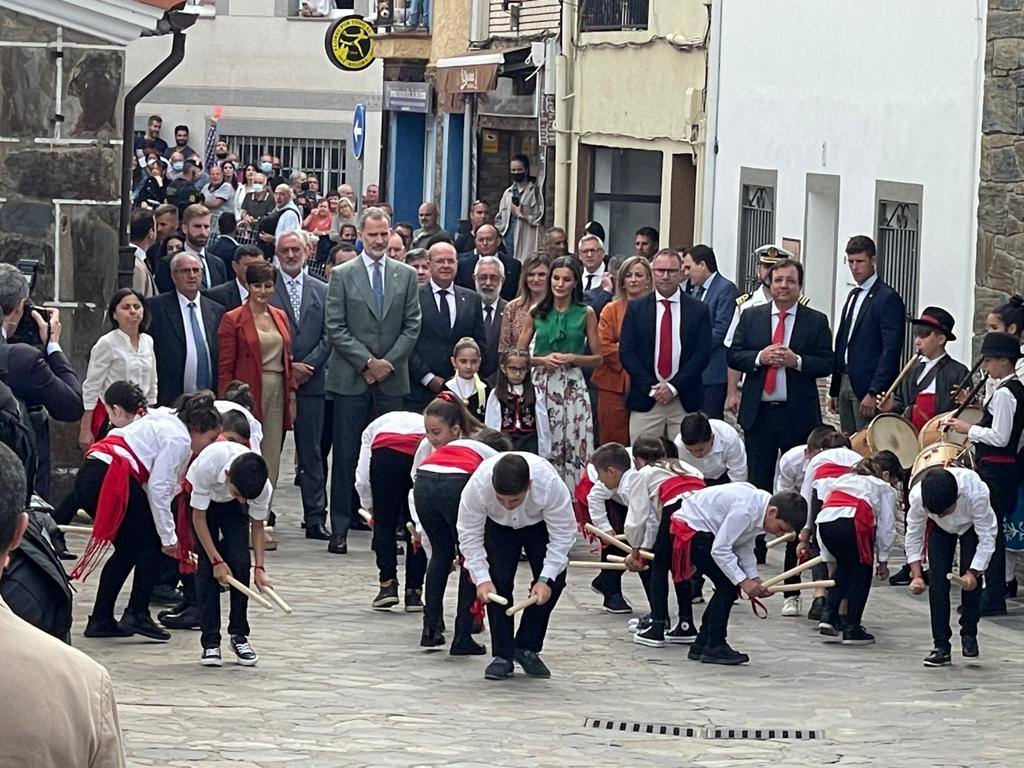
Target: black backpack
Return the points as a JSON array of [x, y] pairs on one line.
[[16, 430]]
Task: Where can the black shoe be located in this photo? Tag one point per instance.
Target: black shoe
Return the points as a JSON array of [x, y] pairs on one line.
[[616, 604], [243, 651], [164, 594], [186, 619], [161, 615], [857, 636], [414, 601], [969, 646], [531, 664], [683, 633], [993, 610], [635, 625], [652, 636], [431, 638], [64, 554], [141, 623], [466, 646], [723, 654], [499, 669], [816, 609], [1011, 587], [597, 585], [938, 658], [106, 628], [399, 550], [901, 578], [338, 545], [386, 597], [695, 652], [318, 531]]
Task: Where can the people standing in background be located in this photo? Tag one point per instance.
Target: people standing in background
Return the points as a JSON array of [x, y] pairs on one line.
[[533, 286], [556, 243], [466, 384], [489, 278], [1008, 318], [591, 253], [487, 243], [520, 211], [478, 215], [645, 242], [428, 217], [518, 409]]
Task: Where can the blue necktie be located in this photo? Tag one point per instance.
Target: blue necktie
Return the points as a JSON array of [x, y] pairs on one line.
[[378, 288], [202, 353]]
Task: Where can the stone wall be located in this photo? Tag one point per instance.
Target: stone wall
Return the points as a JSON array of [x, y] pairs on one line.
[[59, 181]]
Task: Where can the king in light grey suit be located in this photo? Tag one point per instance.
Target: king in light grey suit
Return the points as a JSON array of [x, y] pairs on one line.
[[371, 335]]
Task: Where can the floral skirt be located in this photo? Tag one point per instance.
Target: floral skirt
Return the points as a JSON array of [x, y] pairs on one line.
[[571, 420]]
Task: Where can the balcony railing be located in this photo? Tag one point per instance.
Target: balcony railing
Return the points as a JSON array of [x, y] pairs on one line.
[[598, 15]]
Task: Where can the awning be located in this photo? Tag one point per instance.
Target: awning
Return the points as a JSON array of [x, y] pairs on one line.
[[472, 73]]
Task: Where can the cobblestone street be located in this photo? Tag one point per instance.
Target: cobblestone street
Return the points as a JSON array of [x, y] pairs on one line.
[[339, 684]]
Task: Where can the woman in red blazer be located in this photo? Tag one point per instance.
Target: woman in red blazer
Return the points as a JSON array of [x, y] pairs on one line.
[[256, 347]]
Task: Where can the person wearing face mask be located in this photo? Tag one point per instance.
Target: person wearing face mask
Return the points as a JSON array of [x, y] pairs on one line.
[[257, 203], [175, 165], [520, 211]]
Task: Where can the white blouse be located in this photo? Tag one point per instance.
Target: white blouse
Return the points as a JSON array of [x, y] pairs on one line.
[[113, 359]]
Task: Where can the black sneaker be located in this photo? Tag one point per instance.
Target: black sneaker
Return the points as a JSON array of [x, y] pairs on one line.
[[211, 658], [164, 594], [186, 619], [643, 622], [938, 658], [817, 608], [902, 577], [431, 638], [969, 646], [499, 669], [616, 604], [857, 636], [695, 652], [466, 646], [597, 585], [141, 623], [414, 601], [683, 633], [246, 655], [531, 664], [652, 636], [106, 628], [387, 597], [723, 654]]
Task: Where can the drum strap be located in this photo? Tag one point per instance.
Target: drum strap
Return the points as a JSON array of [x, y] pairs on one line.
[[920, 386]]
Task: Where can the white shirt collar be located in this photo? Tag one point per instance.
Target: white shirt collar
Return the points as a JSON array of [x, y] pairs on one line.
[[869, 283], [368, 262], [707, 283], [790, 311], [183, 302], [674, 298], [434, 288], [243, 289], [599, 271], [193, 251], [297, 279]]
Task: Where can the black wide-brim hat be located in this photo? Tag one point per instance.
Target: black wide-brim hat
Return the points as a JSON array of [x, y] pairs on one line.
[[998, 344], [937, 318]]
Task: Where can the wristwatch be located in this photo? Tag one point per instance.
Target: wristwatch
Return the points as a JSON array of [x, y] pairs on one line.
[[547, 580]]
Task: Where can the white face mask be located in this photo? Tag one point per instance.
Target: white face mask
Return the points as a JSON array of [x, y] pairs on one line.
[[257, 188]]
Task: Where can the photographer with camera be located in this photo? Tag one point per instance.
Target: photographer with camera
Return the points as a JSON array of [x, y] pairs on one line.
[[34, 367]]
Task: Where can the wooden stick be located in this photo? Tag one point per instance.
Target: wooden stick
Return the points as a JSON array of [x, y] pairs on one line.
[[793, 571], [522, 604], [824, 584], [955, 580], [256, 596], [616, 559], [84, 529], [366, 516], [269, 592], [780, 540], [493, 597], [614, 542], [412, 530]]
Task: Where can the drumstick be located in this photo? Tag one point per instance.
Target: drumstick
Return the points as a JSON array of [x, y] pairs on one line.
[[780, 540], [824, 584], [269, 592], [955, 580], [366, 516], [517, 607], [493, 597], [616, 559], [412, 530], [793, 571], [249, 593], [611, 540], [76, 529]]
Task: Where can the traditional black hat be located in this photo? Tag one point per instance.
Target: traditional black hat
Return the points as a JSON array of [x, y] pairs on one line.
[[937, 318], [998, 344]]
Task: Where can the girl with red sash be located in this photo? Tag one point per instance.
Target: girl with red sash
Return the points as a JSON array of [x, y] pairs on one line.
[[857, 522], [126, 485]]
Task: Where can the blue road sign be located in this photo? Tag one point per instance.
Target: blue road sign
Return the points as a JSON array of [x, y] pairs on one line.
[[358, 130]]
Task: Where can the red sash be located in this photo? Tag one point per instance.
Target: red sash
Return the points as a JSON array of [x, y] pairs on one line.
[[99, 418], [863, 522], [682, 537], [112, 502], [676, 486], [396, 441], [455, 456], [830, 469], [924, 408], [581, 506]]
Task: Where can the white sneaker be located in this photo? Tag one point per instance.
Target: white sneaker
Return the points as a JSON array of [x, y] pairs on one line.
[[211, 658], [791, 606]]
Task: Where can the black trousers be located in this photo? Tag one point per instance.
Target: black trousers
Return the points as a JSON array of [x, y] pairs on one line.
[[1003, 483], [777, 428], [941, 546], [660, 573], [309, 421], [714, 625], [714, 400], [503, 546], [610, 582], [327, 431], [852, 577], [437, 497], [351, 415], [229, 529], [523, 441], [136, 545], [390, 483]]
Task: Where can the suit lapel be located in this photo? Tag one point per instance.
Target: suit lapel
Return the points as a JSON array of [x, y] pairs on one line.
[[864, 307], [796, 338], [283, 298], [390, 283], [362, 280], [209, 321], [174, 310], [305, 301]]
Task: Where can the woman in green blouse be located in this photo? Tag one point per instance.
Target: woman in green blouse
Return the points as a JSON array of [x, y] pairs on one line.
[[562, 328]]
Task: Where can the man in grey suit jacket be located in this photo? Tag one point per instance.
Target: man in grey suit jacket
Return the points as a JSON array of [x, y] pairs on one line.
[[303, 297], [373, 321]]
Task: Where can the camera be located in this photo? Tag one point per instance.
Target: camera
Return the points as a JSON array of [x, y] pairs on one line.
[[27, 331]]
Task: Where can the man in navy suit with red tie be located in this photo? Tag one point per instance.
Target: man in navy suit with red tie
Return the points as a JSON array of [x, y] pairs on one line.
[[869, 341]]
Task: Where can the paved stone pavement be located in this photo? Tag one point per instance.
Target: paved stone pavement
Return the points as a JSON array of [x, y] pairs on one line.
[[339, 684]]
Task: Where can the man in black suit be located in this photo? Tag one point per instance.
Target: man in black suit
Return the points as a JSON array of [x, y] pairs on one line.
[[489, 275], [185, 327], [303, 297], [783, 348], [665, 345], [869, 341], [195, 223], [234, 292], [224, 246], [449, 312], [487, 243]]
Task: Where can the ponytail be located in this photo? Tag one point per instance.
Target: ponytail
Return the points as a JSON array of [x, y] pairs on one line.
[[238, 392], [1012, 313], [880, 463], [449, 408], [126, 395], [197, 411]]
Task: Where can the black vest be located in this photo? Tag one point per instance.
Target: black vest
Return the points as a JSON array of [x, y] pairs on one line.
[[1012, 447]]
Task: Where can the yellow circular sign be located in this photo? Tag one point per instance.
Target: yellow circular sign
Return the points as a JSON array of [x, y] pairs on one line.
[[349, 43]]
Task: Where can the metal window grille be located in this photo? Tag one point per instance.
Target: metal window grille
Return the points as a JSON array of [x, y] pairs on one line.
[[899, 261], [614, 14], [757, 228], [324, 157]]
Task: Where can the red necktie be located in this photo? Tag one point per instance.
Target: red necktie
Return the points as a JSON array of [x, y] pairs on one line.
[[779, 337], [665, 341]]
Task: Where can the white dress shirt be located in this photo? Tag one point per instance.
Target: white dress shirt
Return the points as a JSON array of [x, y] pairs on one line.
[[243, 290], [191, 359], [928, 365], [811, 486], [209, 478], [865, 289], [674, 305], [882, 498], [592, 280], [395, 423], [435, 290], [789, 472], [492, 417], [779, 395], [973, 509], [734, 513], [600, 494], [255, 428], [114, 359], [547, 501], [727, 454], [643, 518], [368, 264], [422, 461], [1003, 406]]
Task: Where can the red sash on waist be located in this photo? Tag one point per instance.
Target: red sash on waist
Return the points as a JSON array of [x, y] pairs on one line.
[[455, 456], [863, 522], [581, 506], [682, 536], [924, 408], [396, 441], [830, 469], [999, 458], [99, 418], [112, 502], [678, 485]]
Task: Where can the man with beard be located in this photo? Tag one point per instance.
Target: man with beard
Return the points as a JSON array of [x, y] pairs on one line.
[[489, 276], [487, 243], [180, 143]]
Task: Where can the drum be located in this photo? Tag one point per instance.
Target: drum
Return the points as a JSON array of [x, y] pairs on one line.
[[931, 433], [935, 455], [887, 432]]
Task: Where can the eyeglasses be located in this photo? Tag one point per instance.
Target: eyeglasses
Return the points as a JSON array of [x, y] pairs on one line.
[[515, 369], [488, 278], [666, 272], [589, 251], [189, 270]]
